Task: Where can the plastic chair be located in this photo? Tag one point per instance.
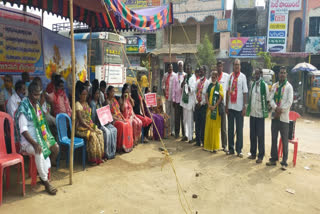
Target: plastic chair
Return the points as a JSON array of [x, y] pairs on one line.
[[293, 116], [61, 121], [7, 160]]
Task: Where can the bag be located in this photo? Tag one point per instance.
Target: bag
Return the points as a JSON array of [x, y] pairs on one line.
[[221, 108]]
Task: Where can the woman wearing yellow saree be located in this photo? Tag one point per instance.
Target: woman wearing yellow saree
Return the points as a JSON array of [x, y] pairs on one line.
[[86, 129], [214, 96]]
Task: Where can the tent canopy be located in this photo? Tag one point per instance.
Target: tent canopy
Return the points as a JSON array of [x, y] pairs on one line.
[[93, 13]]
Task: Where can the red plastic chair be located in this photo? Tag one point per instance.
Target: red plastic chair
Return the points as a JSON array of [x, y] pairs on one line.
[[7, 160], [293, 116]]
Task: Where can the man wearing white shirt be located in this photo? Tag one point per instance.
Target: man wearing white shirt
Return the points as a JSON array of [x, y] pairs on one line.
[[15, 99], [223, 79], [235, 107], [167, 87], [201, 106], [258, 111], [176, 98], [280, 100], [188, 101]]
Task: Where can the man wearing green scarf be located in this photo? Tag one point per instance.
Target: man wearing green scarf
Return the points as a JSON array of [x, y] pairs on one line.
[[280, 100], [34, 135], [258, 111]]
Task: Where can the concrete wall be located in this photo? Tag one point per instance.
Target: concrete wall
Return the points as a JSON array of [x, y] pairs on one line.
[[292, 17]]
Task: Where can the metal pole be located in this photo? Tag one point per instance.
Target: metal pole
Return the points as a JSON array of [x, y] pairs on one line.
[[73, 91]]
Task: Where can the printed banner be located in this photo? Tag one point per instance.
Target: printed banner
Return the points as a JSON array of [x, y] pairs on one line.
[[313, 45], [136, 44], [20, 42], [277, 31], [247, 46], [285, 5], [111, 73], [57, 56], [104, 115], [151, 99]]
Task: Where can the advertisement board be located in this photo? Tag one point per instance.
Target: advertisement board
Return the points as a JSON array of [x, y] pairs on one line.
[[285, 5], [222, 25], [247, 47], [112, 53], [136, 44], [20, 42], [113, 74]]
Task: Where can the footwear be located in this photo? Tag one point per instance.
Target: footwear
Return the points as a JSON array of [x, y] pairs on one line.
[[201, 144], [225, 150], [240, 155], [259, 160], [252, 157], [214, 151], [184, 138], [229, 153], [271, 163], [284, 167], [190, 141]]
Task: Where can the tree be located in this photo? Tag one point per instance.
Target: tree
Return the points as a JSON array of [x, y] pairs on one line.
[[206, 54], [267, 60]]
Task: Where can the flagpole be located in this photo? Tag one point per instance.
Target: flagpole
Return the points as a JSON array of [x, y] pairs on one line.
[[73, 92]]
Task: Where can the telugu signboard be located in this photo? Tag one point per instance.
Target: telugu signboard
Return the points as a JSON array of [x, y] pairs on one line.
[[222, 25], [151, 99], [278, 23], [247, 46], [113, 74], [136, 44], [20, 42]]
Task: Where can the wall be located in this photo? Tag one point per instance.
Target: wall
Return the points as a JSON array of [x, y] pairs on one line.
[[313, 10], [292, 17]]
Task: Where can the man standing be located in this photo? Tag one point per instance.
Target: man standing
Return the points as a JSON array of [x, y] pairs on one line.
[[235, 107], [280, 100], [187, 101], [167, 87], [223, 79], [176, 98], [36, 138], [15, 99], [7, 92], [201, 106], [257, 110]]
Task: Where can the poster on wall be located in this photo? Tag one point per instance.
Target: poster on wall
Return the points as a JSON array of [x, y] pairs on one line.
[[112, 53], [136, 44], [57, 56], [111, 73], [20, 43], [247, 46], [285, 5]]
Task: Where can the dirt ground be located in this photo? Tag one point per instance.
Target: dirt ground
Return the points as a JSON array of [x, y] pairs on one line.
[[142, 182]]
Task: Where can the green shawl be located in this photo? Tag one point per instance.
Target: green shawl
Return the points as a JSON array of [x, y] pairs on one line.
[[215, 98], [263, 94], [279, 93], [43, 134]]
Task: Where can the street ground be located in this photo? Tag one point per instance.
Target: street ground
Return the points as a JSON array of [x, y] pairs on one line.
[[142, 182]]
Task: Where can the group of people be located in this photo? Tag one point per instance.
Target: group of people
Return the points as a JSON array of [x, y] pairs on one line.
[[35, 108], [195, 101]]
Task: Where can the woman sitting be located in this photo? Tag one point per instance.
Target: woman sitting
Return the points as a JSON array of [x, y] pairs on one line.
[[59, 100], [139, 111], [157, 118], [86, 129], [126, 103], [159, 110], [124, 128], [109, 131]]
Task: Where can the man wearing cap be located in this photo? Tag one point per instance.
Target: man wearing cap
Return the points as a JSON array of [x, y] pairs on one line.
[[281, 99]]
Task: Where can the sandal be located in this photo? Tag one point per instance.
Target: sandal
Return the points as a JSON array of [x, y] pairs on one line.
[[51, 189]]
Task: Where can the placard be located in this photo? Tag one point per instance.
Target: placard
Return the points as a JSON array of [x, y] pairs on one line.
[[104, 115], [151, 99]]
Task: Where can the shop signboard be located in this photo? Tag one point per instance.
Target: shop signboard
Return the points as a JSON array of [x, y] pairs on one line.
[[222, 25], [246, 47], [136, 44]]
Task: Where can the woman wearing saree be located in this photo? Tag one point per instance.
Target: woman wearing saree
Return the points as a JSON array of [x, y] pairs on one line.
[[86, 129], [109, 131], [123, 126], [214, 96], [159, 110], [139, 111], [126, 103]]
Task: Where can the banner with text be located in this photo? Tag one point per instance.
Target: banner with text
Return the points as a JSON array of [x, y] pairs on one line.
[[20, 42], [151, 99], [247, 47]]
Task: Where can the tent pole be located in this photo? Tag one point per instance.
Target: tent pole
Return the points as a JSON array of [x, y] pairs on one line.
[[89, 61], [73, 91], [170, 37]]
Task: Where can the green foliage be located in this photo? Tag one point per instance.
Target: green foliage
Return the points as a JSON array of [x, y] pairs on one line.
[[206, 53], [267, 60], [146, 64]]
